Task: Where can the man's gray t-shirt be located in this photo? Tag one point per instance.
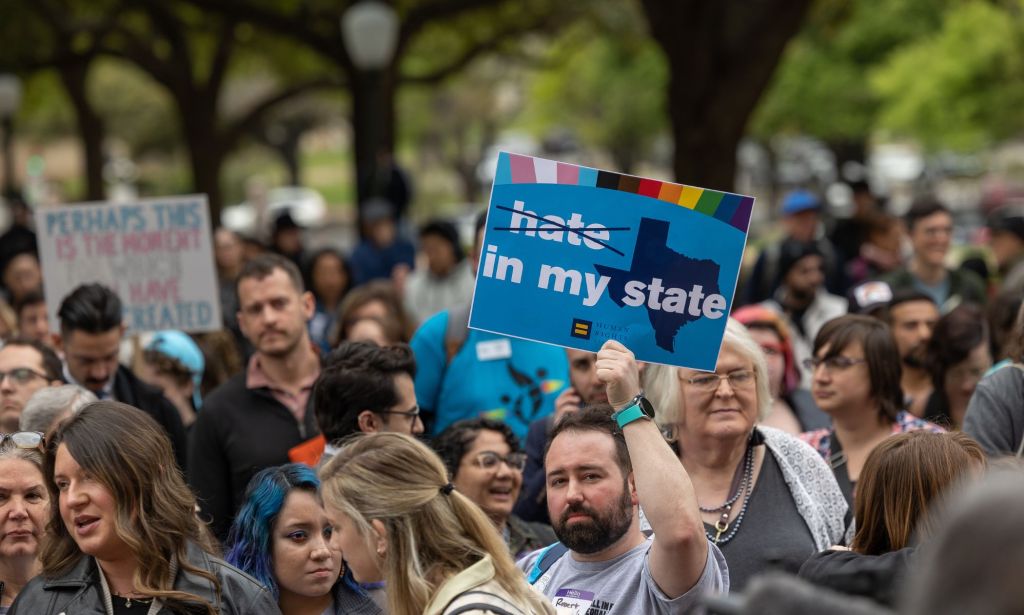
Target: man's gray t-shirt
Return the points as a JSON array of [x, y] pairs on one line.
[[622, 585], [995, 414]]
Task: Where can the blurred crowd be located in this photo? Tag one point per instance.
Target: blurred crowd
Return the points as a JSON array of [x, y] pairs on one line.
[[346, 444]]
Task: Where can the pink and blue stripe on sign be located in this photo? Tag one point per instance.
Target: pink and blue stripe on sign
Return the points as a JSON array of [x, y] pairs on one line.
[[729, 208]]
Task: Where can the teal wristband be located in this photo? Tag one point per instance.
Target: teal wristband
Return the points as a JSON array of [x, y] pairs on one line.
[[638, 408], [629, 414]]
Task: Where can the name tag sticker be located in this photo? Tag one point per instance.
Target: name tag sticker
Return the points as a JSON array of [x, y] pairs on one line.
[[569, 601], [493, 350]]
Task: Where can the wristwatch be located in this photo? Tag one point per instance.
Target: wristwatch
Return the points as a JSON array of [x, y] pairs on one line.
[[639, 408]]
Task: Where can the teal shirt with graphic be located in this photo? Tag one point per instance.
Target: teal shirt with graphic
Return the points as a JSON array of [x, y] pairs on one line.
[[508, 379]]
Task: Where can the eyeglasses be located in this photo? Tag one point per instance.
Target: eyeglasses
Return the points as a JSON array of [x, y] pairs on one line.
[[22, 375], [836, 363], [412, 415], [23, 439], [935, 231], [489, 460], [739, 379]]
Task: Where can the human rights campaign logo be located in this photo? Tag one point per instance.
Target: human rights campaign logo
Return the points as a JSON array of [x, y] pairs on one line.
[[581, 328]]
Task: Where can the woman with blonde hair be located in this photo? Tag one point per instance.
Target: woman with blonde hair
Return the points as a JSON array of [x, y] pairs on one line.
[[123, 537], [24, 508], [766, 498], [398, 519]]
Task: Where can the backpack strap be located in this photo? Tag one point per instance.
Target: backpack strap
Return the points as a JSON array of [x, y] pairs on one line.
[[547, 557], [480, 606]]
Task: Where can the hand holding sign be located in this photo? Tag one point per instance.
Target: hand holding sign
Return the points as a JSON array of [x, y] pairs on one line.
[[618, 370]]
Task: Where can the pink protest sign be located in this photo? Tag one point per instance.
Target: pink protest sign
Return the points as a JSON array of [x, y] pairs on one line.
[[156, 254]]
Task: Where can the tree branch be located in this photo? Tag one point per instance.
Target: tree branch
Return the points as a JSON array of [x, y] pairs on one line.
[[252, 118], [491, 43], [141, 55], [222, 56], [423, 14], [294, 27], [173, 30]]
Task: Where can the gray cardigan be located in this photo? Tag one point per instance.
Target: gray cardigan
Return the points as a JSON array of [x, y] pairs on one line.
[[812, 485]]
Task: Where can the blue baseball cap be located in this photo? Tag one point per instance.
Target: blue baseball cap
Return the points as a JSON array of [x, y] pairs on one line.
[[798, 201], [179, 346]]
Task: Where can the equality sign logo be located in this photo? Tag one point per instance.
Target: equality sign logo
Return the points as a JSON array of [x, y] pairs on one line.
[[574, 256]]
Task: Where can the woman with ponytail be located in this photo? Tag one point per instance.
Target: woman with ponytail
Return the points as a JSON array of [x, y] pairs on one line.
[[398, 519]]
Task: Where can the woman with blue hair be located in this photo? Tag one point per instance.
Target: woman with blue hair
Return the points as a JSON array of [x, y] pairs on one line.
[[281, 537]]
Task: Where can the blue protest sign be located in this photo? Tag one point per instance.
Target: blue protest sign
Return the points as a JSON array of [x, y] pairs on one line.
[[574, 256]]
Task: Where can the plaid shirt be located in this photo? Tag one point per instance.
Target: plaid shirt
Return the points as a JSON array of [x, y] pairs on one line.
[[821, 439]]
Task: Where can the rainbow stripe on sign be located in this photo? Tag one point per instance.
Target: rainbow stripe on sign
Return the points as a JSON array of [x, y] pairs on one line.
[[732, 209]]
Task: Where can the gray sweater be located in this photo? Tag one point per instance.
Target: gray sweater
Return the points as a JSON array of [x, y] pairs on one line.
[[995, 414]]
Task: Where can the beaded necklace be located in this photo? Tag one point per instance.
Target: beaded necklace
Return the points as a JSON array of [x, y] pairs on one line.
[[744, 488]]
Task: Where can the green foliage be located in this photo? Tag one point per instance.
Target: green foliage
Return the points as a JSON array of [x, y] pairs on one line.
[[822, 87], [145, 118], [45, 112], [608, 88], [962, 87]]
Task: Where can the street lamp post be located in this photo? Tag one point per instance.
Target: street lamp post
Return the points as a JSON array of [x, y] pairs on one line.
[[369, 30], [10, 100]]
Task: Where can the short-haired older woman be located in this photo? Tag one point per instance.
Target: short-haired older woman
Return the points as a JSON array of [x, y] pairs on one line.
[[50, 405], [123, 536], [24, 509], [397, 518], [767, 500], [485, 463], [281, 536], [856, 371]]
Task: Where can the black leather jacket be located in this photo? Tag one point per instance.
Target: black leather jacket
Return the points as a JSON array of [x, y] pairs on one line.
[[79, 591]]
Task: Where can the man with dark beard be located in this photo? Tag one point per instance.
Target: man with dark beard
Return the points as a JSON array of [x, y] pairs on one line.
[[912, 316], [601, 468], [584, 389], [801, 297]]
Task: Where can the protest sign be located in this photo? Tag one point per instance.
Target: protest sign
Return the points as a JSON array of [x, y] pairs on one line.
[[155, 254], [574, 256]]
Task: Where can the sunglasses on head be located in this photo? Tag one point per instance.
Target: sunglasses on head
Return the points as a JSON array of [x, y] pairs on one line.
[[23, 439]]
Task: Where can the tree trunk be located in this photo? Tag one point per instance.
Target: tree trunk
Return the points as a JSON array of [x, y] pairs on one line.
[[721, 56], [90, 128], [290, 156], [373, 132], [206, 153]]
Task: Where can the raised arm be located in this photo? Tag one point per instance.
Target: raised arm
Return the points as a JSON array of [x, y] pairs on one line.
[[663, 487]]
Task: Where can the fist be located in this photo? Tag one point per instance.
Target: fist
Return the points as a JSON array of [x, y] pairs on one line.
[[618, 370]]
